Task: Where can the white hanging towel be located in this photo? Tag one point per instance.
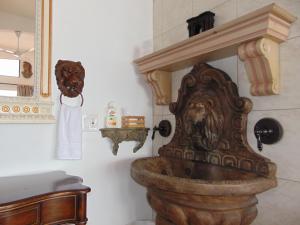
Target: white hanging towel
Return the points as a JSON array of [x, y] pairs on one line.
[[69, 133]]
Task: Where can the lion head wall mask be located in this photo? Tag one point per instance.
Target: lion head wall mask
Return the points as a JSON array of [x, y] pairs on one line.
[[69, 77]]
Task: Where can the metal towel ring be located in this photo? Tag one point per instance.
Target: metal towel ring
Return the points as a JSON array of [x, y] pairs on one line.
[[82, 100]]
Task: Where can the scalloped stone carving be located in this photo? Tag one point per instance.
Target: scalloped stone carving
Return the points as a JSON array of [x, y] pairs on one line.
[[211, 123]]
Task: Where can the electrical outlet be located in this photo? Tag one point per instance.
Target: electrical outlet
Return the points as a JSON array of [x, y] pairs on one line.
[[90, 123]]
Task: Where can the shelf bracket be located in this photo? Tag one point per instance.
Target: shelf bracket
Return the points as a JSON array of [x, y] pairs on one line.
[[261, 59], [255, 37], [118, 135], [161, 83]]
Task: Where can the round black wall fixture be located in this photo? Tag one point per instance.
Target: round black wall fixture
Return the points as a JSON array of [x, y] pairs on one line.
[[164, 128], [267, 131]]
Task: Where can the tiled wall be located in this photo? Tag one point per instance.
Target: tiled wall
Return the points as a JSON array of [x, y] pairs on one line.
[[280, 206]]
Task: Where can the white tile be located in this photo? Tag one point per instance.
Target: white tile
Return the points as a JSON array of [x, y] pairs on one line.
[[157, 17], [175, 12], [157, 110], [153, 215], [228, 65], [171, 118], [160, 109], [279, 206], [200, 6], [225, 12], [166, 110], [293, 6], [289, 75], [158, 141], [176, 81], [142, 222], [286, 152], [174, 35], [157, 43], [247, 6]]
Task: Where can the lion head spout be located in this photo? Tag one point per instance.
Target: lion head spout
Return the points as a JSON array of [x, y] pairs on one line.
[[203, 124]]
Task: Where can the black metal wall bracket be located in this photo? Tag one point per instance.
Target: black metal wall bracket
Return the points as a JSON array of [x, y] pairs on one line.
[[267, 131]]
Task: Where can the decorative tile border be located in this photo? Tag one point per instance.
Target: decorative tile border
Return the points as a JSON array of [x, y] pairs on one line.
[[26, 112]]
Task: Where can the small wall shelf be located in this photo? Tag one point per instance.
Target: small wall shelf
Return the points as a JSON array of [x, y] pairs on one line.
[[118, 135], [255, 37]]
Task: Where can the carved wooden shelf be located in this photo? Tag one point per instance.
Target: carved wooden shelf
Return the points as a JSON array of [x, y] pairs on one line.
[[118, 135], [255, 37]]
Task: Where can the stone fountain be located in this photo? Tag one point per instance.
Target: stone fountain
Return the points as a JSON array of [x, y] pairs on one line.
[[208, 174]]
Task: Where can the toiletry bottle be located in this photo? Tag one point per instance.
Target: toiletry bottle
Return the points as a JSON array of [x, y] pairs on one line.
[[113, 116]]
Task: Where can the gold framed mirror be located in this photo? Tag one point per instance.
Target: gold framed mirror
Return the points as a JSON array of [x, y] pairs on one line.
[[26, 54]]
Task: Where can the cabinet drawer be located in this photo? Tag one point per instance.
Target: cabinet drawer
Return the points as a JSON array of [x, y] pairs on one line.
[[58, 210], [22, 216]]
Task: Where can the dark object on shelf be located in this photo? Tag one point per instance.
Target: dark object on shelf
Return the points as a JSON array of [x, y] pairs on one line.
[[46, 198], [164, 128], [201, 23], [117, 135], [267, 131], [70, 78]]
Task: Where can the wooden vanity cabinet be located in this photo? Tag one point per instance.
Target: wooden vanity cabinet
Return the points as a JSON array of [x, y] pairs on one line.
[[45, 199]]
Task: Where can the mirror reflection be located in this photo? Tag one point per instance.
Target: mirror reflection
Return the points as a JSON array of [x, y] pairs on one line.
[[17, 35]]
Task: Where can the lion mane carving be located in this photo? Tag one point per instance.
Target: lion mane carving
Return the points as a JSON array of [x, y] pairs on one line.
[[203, 124], [69, 77]]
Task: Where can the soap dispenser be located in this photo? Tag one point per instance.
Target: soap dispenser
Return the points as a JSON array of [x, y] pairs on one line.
[[113, 116]]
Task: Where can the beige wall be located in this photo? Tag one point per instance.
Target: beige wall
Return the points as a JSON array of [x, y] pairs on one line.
[[281, 205]]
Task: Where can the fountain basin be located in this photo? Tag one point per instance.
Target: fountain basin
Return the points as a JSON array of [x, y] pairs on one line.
[[185, 176], [185, 192]]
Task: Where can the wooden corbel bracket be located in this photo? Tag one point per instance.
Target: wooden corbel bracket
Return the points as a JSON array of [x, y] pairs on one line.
[[261, 59], [161, 83]]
